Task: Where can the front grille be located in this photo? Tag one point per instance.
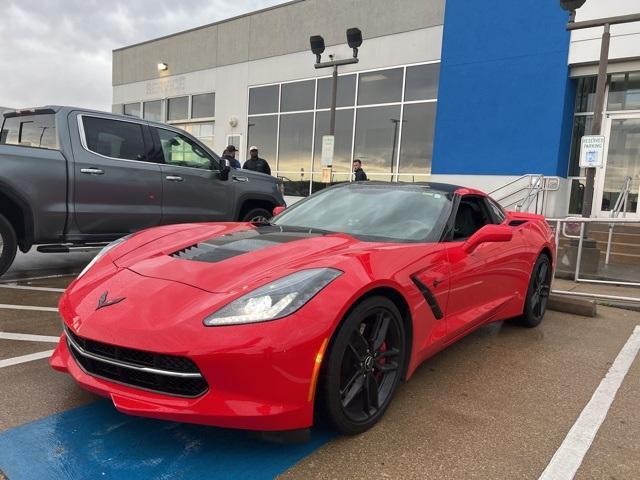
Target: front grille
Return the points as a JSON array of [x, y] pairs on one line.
[[168, 374]]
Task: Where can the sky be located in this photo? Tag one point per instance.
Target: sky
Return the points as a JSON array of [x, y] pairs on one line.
[[59, 51]]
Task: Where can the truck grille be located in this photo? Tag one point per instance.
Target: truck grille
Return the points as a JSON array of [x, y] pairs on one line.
[[157, 372]]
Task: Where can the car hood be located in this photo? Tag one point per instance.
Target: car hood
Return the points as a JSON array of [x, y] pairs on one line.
[[234, 257]]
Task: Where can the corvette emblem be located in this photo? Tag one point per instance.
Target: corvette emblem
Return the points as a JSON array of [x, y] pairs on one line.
[[103, 302]]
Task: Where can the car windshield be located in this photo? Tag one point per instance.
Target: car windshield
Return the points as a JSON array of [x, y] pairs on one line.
[[388, 212]]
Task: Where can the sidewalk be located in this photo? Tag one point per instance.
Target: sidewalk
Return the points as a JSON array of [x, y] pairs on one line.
[[601, 289]]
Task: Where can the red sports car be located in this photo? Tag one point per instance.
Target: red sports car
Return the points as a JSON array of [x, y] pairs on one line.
[[322, 311]]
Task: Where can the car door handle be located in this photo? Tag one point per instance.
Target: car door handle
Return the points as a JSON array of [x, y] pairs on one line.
[[240, 179], [92, 171], [174, 178]]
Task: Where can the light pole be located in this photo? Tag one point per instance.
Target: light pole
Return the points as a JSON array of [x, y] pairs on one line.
[[601, 84], [354, 40]]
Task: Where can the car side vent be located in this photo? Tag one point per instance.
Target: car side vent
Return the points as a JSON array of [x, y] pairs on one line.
[[517, 223], [184, 251]]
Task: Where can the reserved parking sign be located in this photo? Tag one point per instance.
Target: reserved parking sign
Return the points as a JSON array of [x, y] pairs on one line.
[[591, 151]]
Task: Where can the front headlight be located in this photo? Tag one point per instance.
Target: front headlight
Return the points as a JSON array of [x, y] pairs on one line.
[[102, 253], [275, 300]]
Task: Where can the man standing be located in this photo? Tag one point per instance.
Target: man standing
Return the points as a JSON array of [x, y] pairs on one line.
[[359, 175], [256, 163], [230, 154]]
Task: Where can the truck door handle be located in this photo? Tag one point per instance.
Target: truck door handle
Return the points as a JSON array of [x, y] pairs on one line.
[[240, 179], [174, 178], [92, 171]]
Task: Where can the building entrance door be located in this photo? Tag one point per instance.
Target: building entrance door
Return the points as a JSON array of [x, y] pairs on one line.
[[622, 160]]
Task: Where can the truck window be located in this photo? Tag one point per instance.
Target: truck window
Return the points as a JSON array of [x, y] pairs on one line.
[[114, 139], [179, 150], [37, 131]]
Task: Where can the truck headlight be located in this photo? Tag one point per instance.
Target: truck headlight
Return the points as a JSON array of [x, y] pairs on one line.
[[275, 300]]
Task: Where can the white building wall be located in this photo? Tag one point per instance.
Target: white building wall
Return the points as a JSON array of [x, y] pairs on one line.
[[231, 83], [625, 38]]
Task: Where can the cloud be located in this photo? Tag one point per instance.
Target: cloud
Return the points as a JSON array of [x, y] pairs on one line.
[[59, 51]]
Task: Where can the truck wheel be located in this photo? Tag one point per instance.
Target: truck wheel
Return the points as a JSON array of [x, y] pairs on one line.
[[257, 215], [8, 244]]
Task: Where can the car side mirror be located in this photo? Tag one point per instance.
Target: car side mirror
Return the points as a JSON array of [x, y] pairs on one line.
[[224, 170], [278, 210], [488, 233]]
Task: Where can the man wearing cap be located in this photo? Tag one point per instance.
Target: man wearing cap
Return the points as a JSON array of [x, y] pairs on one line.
[[230, 154], [256, 163]]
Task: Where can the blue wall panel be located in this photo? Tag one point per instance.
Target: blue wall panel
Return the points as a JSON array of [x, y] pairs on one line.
[[505, 101]]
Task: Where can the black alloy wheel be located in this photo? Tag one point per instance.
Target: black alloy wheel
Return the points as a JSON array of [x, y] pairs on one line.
[[365, 364], [538, 293]]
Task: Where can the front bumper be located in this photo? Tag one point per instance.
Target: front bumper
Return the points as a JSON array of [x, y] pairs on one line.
[[259, 376]]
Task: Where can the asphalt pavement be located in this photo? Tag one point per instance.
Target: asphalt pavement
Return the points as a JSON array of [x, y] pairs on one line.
[[498, 404]]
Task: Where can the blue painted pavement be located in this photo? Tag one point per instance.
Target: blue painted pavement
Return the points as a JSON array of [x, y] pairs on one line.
[[97, 442]]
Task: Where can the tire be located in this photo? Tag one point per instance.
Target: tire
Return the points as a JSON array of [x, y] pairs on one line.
[[8, 244], [358, 380], [257, 215], [535, 304]]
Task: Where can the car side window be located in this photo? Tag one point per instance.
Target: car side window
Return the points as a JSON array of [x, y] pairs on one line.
[[114, 139], [181, 151], [471, 216], [496, 211]]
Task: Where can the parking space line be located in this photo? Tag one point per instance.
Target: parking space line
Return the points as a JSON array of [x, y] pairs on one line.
[[28, 307], [569, 456], [43, 277], [38, 289], [25, 358], [26, 337]]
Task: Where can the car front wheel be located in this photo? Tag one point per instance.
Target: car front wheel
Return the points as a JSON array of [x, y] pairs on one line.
[[538, 292], [365, 363], [8, 244]]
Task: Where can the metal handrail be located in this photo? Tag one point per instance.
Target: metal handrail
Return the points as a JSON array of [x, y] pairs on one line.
[[561, 224], [621, 205], [536, 185]]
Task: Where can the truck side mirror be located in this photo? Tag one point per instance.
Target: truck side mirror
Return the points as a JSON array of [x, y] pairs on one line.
[[225, 169]]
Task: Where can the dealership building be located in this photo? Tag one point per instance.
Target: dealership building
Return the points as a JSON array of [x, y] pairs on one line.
[[474, 93]]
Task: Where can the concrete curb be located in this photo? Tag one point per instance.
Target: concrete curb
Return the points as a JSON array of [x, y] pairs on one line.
[[578, 306]]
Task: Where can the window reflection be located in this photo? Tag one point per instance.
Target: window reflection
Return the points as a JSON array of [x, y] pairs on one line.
[[345, 96], [263, 133], [263, 99], [422, 82], [344, 134], [294, 154], [377, 135], [624, 91], [383, 86], [203, 106], [297, 96], [586, 94], [417, 138], [153, 111], [178, 108], [132, 109]]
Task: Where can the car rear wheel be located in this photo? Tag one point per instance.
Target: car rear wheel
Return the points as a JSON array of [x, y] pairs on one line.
[[538, 292], [365, 363], [257, 215], [8, 244]]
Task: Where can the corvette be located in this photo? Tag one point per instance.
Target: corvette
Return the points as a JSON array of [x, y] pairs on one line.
[[321, 312]]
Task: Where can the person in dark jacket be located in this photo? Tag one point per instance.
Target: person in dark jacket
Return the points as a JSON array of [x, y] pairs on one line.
[[256, 163], [230, 154], [358, 172]]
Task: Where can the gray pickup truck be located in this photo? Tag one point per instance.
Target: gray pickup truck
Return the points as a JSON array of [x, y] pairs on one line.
[[71, 177]]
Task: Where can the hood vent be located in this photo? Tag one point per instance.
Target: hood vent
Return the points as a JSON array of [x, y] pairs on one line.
[[222, 248]]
